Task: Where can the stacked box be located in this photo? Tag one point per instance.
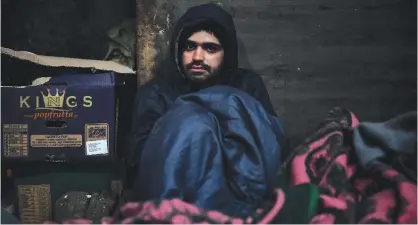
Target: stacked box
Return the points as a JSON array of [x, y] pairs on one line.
[[66, 130]]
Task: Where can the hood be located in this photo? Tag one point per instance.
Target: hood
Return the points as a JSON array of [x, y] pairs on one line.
[[204, 14]]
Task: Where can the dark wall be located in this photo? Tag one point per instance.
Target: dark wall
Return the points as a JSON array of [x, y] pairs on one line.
[[318, 54], [68, 28], [312, 54]]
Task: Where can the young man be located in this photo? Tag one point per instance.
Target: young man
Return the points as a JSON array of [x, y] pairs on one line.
[[204, 130], [203, 53]]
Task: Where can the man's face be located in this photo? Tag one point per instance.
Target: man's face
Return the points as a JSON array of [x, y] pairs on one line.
[[202, 56]]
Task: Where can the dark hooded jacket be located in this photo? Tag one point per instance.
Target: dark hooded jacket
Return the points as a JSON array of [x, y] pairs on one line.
[[155, 98]]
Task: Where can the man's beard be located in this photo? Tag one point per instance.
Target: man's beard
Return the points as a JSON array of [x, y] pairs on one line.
[[201, 77]]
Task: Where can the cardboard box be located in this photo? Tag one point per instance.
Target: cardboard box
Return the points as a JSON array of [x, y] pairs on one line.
[[79, 110], [39, 186]]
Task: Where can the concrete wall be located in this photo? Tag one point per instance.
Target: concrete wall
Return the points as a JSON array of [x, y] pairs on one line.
[[317, 54], [312, 54]]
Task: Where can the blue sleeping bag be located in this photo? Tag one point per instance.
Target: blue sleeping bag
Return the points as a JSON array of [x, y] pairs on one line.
[[217, 148]]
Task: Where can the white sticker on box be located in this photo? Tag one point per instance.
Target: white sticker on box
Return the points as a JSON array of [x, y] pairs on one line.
[[98, 147]]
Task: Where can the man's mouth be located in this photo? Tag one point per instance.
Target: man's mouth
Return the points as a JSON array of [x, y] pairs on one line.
[[197, 69]]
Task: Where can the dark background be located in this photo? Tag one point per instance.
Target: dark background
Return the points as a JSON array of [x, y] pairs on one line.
[[312, 54]]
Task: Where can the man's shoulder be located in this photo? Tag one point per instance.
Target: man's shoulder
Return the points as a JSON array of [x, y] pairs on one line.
[[155, 90], [150, 86], [149, 90]]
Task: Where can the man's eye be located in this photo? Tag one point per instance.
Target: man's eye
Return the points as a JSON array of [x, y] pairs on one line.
[[212, 48], [190, 46]]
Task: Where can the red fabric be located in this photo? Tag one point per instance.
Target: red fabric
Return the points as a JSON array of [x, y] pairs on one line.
[[348, 193]]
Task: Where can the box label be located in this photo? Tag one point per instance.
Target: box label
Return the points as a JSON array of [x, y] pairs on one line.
[[97, 147], [15, 140], [34, 203], [56, 141], [53, 104], [97, 139]]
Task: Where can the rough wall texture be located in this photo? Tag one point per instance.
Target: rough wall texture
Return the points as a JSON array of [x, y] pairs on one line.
[[317, 54], [153, 24], [69, 28], [312, 54]]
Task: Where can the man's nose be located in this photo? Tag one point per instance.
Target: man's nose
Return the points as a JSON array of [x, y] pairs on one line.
[[198, 54]]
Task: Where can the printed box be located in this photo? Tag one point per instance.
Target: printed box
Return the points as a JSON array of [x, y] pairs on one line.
[[76, 110]]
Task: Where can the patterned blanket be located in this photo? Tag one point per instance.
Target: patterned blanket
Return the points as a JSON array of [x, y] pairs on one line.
[[323, 175]]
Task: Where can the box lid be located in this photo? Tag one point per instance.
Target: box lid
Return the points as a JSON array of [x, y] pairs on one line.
[[54, 61]]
